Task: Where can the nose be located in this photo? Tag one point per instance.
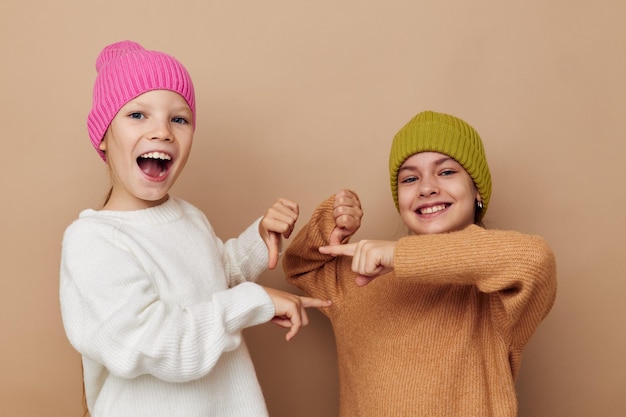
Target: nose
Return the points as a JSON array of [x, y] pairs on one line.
[[161, 130], [428, 186]]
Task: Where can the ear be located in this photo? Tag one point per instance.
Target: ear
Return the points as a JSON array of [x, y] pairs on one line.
[[103, 145], [478, 197]]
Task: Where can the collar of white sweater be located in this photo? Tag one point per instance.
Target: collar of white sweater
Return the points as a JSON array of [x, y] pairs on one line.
[[169, 211]]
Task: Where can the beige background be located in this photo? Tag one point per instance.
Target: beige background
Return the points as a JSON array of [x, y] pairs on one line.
[[299, 99]]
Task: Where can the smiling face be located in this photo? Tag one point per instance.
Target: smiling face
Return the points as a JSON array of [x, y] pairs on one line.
[[147, 146], [435, 194]]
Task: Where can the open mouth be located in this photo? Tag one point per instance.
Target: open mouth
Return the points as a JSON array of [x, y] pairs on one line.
[[155, 164], [432, 209]]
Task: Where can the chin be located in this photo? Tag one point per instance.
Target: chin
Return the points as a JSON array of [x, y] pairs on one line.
[[154, 200], [431, 229]]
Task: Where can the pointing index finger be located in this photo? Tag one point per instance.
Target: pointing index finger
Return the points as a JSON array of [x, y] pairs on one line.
[[339, 250]]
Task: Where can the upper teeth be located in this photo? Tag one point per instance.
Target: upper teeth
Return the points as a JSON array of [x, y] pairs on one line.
[[156, 155], [433, 209]]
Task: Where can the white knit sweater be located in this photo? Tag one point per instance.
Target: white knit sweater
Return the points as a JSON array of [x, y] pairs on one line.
[[155, 303]]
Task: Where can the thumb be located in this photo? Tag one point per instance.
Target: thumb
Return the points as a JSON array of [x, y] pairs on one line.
[[273, 246], [336, 236], [363, 280]]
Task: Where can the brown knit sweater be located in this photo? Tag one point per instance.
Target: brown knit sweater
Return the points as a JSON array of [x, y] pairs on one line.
[[441, 335]]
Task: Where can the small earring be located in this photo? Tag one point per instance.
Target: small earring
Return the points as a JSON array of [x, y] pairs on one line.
[[479, 204]]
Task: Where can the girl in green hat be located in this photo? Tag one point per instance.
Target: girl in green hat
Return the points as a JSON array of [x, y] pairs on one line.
[[433, 324]]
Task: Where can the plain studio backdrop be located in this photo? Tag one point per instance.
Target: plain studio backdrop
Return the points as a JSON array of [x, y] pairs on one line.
[[298, 100]]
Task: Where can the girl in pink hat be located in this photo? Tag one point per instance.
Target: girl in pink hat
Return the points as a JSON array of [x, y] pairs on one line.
[[152, 299]]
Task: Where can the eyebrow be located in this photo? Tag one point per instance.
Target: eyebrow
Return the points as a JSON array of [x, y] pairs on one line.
[[141, 105], [436, 162]]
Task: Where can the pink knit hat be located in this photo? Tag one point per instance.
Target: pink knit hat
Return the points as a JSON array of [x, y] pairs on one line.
[[125, 71]]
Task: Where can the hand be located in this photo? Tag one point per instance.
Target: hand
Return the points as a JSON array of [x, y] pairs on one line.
[[370, 258], [347, 213], [290, 310], [278, 220]]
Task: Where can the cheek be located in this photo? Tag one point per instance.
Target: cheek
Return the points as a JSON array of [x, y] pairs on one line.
[[467, 189], [404, 197], [185, 139], [405, 201], [466, 193]]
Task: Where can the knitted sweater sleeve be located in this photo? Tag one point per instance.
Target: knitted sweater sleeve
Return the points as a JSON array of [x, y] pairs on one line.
[[517, 270], [304, 265], [245, 258], [113, 313]]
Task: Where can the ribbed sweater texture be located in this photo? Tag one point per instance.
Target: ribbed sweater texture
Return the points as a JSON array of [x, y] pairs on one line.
[[440, 335], [155, 303]]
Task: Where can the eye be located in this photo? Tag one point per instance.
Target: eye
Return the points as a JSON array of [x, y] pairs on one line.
[[408, 180], [136, 115], [180, 120], [447, 172]]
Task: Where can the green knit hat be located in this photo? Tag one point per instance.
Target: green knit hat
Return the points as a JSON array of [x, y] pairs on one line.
[[437, 132]]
